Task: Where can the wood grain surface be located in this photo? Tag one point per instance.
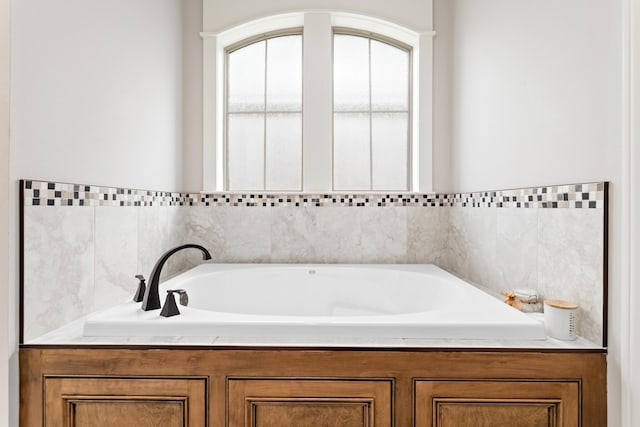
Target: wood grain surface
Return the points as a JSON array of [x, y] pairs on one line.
[[477, 375]]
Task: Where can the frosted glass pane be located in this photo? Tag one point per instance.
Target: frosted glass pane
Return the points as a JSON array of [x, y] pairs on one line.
[[351, 151], [350, 73], [390, 144], [389, 77], [284, 152], [245, 77], [245, 145], [284, 73]]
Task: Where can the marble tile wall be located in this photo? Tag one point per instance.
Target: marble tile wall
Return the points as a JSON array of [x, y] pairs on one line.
[[318, 235], [557, 252], [570, 264], [499, 240], [92, 253], [80, 260], [59, 269]]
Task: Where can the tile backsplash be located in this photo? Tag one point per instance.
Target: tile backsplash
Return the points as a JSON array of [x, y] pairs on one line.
[[83, 244], [585, 196]]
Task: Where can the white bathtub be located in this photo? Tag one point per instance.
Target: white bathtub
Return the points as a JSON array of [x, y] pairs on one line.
[[322, 301]]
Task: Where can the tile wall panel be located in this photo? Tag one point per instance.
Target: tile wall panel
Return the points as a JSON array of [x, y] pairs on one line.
[[95, 239], [59, 247]]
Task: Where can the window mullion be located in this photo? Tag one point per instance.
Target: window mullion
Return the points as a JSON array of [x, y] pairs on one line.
[[317, 93]]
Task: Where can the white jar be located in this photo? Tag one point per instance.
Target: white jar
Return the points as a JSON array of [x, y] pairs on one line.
[[560, 319]]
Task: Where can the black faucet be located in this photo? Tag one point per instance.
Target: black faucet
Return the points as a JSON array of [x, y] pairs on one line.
[[151, 300]]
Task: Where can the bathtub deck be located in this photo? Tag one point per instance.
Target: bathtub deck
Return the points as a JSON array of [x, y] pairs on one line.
[[72, 335]]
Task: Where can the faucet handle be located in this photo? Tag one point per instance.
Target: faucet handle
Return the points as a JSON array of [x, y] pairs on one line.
[[184, 298], [139, 296], [170, 308]]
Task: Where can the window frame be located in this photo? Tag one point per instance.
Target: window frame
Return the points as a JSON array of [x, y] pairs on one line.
[[315, 180], [409, 50], [225, 146]]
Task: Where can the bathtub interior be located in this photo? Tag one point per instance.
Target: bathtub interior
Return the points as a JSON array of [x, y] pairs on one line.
[[393, 301], [319, 291]]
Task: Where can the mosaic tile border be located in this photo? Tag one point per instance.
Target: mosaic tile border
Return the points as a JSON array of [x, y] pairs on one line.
[[575, 196]]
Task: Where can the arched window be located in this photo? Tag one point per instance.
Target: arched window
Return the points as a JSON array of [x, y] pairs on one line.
[[371, 111], [316, 102], [264, 114]]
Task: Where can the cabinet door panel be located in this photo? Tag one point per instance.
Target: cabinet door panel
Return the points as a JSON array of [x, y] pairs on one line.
[[313, 413], [450, 412], [108, 412], [309, 403], [497, 403], [107, 402]]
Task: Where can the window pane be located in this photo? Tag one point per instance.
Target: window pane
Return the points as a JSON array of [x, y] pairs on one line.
[[389, 77], [245, 157], [246, 78], [284, 73], [351, 145], [390, 145], [284, 152], [350, 73]]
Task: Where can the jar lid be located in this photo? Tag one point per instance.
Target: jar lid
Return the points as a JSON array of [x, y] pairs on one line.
[[558, 303]]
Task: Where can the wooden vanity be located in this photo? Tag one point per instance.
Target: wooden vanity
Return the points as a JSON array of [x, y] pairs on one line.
[[275, 386]]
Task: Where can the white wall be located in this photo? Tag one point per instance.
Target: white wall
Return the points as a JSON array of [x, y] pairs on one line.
[[539, 84], [4, 213], [97, 97], [536, 97], [97, 92], [220, 15]]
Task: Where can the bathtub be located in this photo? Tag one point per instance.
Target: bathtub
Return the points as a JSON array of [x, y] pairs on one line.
[[320, 301]]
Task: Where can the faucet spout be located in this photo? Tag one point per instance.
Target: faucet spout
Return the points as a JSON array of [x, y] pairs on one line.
[[151, 300]]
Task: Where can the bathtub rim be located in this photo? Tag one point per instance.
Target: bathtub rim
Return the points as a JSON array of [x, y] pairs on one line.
[[282, 327]]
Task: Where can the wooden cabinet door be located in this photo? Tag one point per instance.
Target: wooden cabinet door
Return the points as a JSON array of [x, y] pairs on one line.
[[472, 403], [124, 402], [309, 403]]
